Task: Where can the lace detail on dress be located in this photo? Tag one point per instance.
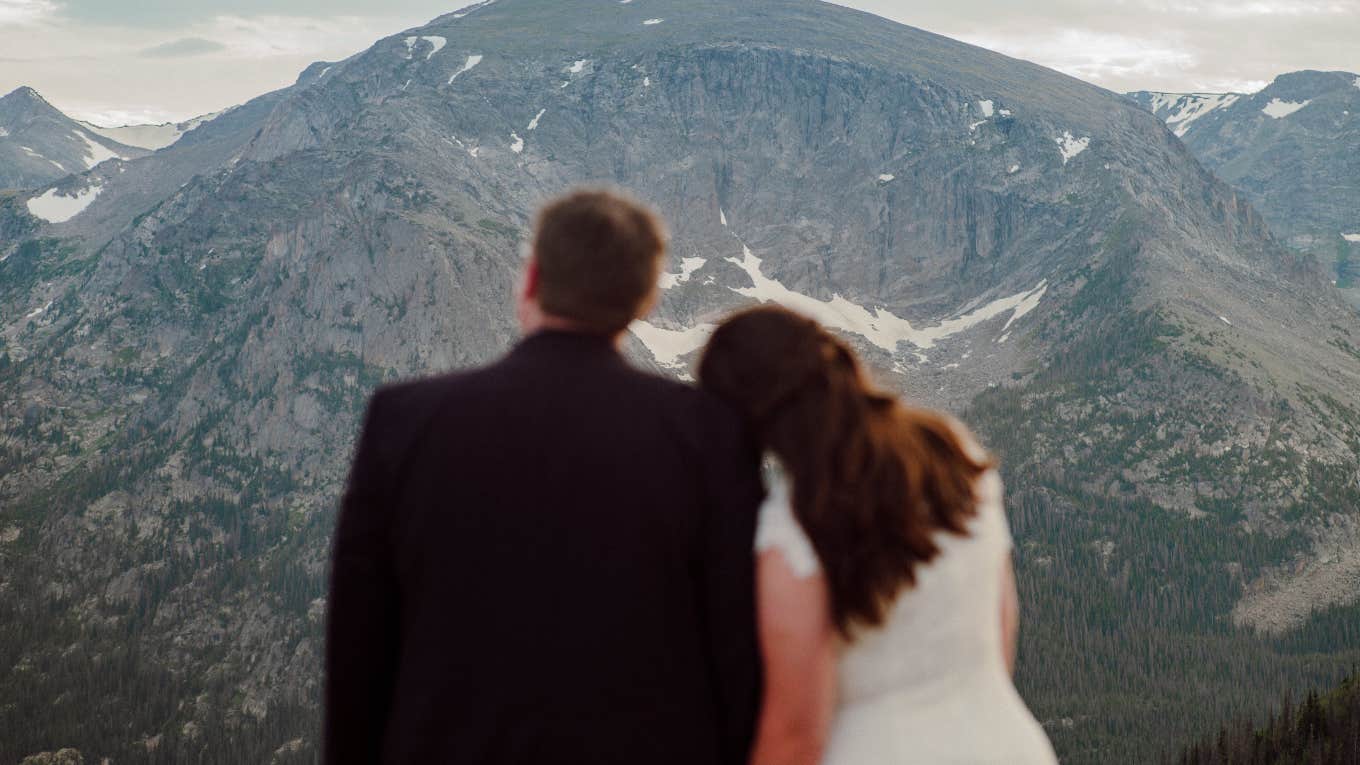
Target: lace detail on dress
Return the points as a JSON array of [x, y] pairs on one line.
[[779, 530]]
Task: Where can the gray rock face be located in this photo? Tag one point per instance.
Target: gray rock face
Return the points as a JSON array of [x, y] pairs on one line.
[[1293, 149], [183, 362], [39, 144]]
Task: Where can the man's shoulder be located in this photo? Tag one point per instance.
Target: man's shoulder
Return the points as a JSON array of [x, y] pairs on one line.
[[693, 400], [416, 397], [401, 411]]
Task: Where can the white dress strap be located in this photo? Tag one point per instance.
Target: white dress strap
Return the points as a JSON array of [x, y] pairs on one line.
[[779, 530]]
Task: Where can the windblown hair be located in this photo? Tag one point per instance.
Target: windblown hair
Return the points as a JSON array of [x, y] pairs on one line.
[[873, 480]]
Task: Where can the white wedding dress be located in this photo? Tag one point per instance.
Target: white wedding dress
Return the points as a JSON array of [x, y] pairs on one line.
[[930, 685]]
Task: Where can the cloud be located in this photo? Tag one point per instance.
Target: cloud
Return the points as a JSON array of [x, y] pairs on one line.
[[118, 73], [1237, 9], [26, 12], [1176, 45], [183, 47], [1092, 55], [274, 36]]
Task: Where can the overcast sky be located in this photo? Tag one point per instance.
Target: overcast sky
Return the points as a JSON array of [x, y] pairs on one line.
[[119, 61]]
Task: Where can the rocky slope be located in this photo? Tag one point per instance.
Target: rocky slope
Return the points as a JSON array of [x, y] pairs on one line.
[[183, 360], [39, 144], [1293, 149]]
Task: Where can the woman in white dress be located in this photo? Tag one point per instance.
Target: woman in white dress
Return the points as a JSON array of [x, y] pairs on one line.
[[886, 596]]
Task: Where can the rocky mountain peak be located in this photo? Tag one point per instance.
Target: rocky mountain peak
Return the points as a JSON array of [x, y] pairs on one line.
[[1293, 149], [39, 144]]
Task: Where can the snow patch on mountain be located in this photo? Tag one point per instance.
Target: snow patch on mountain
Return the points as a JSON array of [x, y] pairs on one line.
[[55, 207], [38, 311], [687, 268], [1071, 146], [150, 137], [471, 8], [533, 123], [887, 177], [1012, 170], [1277, 109], [879, 327], [95, 152], [986, 107], [516, 143], [668, 346], [1180, 110], [578, 66], [436, 41], [722, 216], [472, 61], [36, 155], [1351, 238], [652, 22], [1026, 304]]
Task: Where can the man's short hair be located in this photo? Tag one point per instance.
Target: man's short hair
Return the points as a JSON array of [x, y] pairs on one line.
[[599, 255]]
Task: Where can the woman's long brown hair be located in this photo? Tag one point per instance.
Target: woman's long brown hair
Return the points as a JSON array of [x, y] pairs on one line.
[[873, 479]]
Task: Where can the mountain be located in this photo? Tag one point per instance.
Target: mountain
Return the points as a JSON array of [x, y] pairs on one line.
[[1180, 110], [150, 136], [1293, 149], [39, 144], [183, 360]]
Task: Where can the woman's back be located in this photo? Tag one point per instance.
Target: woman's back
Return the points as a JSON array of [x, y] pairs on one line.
[[893, 634], [930, 685]]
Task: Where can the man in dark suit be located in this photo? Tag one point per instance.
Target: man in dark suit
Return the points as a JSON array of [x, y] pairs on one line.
[[549, 560]]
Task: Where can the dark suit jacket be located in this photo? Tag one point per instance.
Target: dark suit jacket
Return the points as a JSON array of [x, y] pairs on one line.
[[548, 560]]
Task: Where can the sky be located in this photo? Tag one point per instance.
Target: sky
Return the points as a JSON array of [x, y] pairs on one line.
[[133, 61]]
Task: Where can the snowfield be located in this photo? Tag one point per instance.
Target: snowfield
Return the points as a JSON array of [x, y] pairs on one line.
[[1183, 109], [687, 268], [668, 346], [1277, 109], [472, 61], [57, 208], [879, 327], [1071, 146], [95, 152]]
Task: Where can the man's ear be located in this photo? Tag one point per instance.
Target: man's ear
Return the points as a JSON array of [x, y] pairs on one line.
[[529, 290]]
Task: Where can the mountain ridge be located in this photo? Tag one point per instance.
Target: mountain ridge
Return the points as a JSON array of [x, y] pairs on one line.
[[1291, 148], [39, 144]]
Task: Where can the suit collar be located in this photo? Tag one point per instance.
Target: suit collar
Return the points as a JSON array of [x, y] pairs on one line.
[[549, 343]]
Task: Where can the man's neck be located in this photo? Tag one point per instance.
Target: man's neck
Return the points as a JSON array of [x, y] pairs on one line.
[[544, 322]]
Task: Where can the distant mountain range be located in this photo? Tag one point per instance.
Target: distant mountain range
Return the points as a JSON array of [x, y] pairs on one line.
[[39, 144], [1293, 149], [151, 136], [187, 339]]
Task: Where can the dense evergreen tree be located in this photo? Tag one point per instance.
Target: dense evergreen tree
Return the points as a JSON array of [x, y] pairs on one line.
[[1322, 730]]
